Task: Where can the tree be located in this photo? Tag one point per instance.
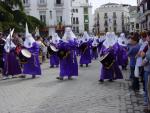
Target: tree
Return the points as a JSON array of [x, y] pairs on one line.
[[11, 17]]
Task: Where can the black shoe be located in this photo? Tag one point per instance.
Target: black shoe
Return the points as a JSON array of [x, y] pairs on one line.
[[81, 65], [101, 81], [110, 80], [70, 78], [22, 76], [87, 65], [51, 66], [146, 110], [60, 78], [127, 79], [33, 76]]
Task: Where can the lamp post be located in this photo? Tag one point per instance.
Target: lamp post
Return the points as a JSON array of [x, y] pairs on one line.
[[50, 23], [50, 14]]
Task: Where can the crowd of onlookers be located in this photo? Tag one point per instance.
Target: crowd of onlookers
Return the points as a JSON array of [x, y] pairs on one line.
[[139, 55]]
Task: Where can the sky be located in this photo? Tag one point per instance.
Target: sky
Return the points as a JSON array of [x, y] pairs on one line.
[[97, 3]]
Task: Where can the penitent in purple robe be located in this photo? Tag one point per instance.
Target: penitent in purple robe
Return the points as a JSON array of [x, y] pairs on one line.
[[94, 52], [122, 56], [32, 67], [11, 65], [86, 55], [54, 60], [68, 65], [114, 72]]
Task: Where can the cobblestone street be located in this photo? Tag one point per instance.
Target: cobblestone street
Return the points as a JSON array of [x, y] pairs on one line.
[[80, 95]]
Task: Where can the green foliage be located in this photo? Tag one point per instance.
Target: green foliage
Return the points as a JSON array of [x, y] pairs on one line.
[[17, 19]]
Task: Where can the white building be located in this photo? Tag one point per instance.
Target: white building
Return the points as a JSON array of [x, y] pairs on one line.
[[144, 14], [112, 17], [55, 13], [134, 26], [82, 19]]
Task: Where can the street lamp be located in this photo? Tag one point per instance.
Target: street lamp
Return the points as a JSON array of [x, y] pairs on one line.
[[50, 14]]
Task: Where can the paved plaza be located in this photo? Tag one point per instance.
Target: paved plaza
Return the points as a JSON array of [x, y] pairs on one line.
[[80, 95]]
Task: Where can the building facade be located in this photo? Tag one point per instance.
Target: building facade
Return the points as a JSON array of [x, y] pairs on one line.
[[82, 19], [111, 17], [134, 25], [144, 14], [56, 14]]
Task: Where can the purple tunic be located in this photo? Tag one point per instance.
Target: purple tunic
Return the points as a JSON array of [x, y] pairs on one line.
[[54, 60], [68, 65], [94, 53], [11, 65], [86, 56], [32, 67], [122, 56], [114, 72]]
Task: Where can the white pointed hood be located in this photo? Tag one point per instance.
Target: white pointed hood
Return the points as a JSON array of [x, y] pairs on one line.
[[85, 37], [29, 40], [37, 33], [111, 40], [9, 44], [55, 38], [122, 40], [69, 35], [95, 43]]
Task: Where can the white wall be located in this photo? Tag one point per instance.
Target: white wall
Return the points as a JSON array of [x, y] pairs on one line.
[[64, 11]]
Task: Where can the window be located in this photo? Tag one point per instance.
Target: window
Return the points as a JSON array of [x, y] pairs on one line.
[[43, 18], [115, 29], [76, 10], [115, 23], [86, 19], [86, 1], [105, 15], [106, 29], [42, 1], [122, 15], [114, 14], [137, 26], [58, 1], [59, 19], [26, 2], [74, 19], [77, 29], [77, 20], [133, 27], [73, 10], [86, 10], [86, 27], [106, 23], [74, 28]]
